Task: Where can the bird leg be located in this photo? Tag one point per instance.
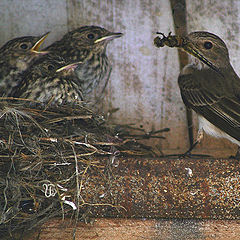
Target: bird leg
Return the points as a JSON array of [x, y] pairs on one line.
[[237, 155], [188, 152], [199, 139]]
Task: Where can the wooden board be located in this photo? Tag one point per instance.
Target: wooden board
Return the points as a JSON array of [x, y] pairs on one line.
[[124, 229]]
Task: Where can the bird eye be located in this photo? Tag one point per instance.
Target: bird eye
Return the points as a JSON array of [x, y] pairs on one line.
[[24, 46], [90, 36], [208, 45], [50, 67]]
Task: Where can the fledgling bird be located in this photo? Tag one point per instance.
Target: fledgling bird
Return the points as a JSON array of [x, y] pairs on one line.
[[15, 57], [209, 85], [88, 45], [50, 80]]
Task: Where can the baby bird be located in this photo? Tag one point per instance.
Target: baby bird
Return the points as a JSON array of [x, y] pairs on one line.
[[88, 45], [15, 57], [50, 80]]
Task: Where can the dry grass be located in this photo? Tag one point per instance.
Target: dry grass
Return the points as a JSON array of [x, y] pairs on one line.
[[45, 153]]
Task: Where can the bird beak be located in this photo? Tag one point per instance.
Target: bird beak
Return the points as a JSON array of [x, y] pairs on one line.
[[35, 48], [189, 48], [71, 66], [185, 44], [109, 37]]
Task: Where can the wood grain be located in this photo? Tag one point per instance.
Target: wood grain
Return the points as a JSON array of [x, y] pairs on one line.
[[135, 229]]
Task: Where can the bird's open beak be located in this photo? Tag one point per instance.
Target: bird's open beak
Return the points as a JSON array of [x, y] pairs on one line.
[[71, 66], [35, 48], [109, 37]]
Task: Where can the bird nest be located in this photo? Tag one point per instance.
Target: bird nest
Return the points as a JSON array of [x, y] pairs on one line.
[[45, 154]]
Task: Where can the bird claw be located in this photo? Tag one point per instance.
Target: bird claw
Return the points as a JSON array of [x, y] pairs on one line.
[[237, 155], [188, 155]]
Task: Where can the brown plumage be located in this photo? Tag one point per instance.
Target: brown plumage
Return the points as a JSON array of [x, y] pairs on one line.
[[50, 80], [88, 45], [209, 85], [15, 57]]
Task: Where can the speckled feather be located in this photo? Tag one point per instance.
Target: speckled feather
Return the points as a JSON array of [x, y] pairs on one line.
[[79, 45], [14, 59], [42, 83]]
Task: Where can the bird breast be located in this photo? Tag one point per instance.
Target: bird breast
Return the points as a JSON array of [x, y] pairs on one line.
[[21, 65]]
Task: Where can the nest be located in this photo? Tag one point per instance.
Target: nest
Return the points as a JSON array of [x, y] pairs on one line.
[[45, 152]]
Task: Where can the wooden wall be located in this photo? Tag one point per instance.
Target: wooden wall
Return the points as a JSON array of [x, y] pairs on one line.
[[143, 83]]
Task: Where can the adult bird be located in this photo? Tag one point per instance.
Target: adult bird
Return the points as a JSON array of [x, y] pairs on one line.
[[209, 85], [50, 80], [15, 57], [87, 44]]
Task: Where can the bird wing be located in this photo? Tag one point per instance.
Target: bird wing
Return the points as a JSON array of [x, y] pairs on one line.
[[207, 94]]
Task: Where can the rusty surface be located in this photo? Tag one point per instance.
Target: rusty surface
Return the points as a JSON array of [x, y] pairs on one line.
[[164, 188], [121, 229]]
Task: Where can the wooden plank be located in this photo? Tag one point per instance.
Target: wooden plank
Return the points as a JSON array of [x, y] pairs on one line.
[[143, 83], [134, 229], [21, 18]]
